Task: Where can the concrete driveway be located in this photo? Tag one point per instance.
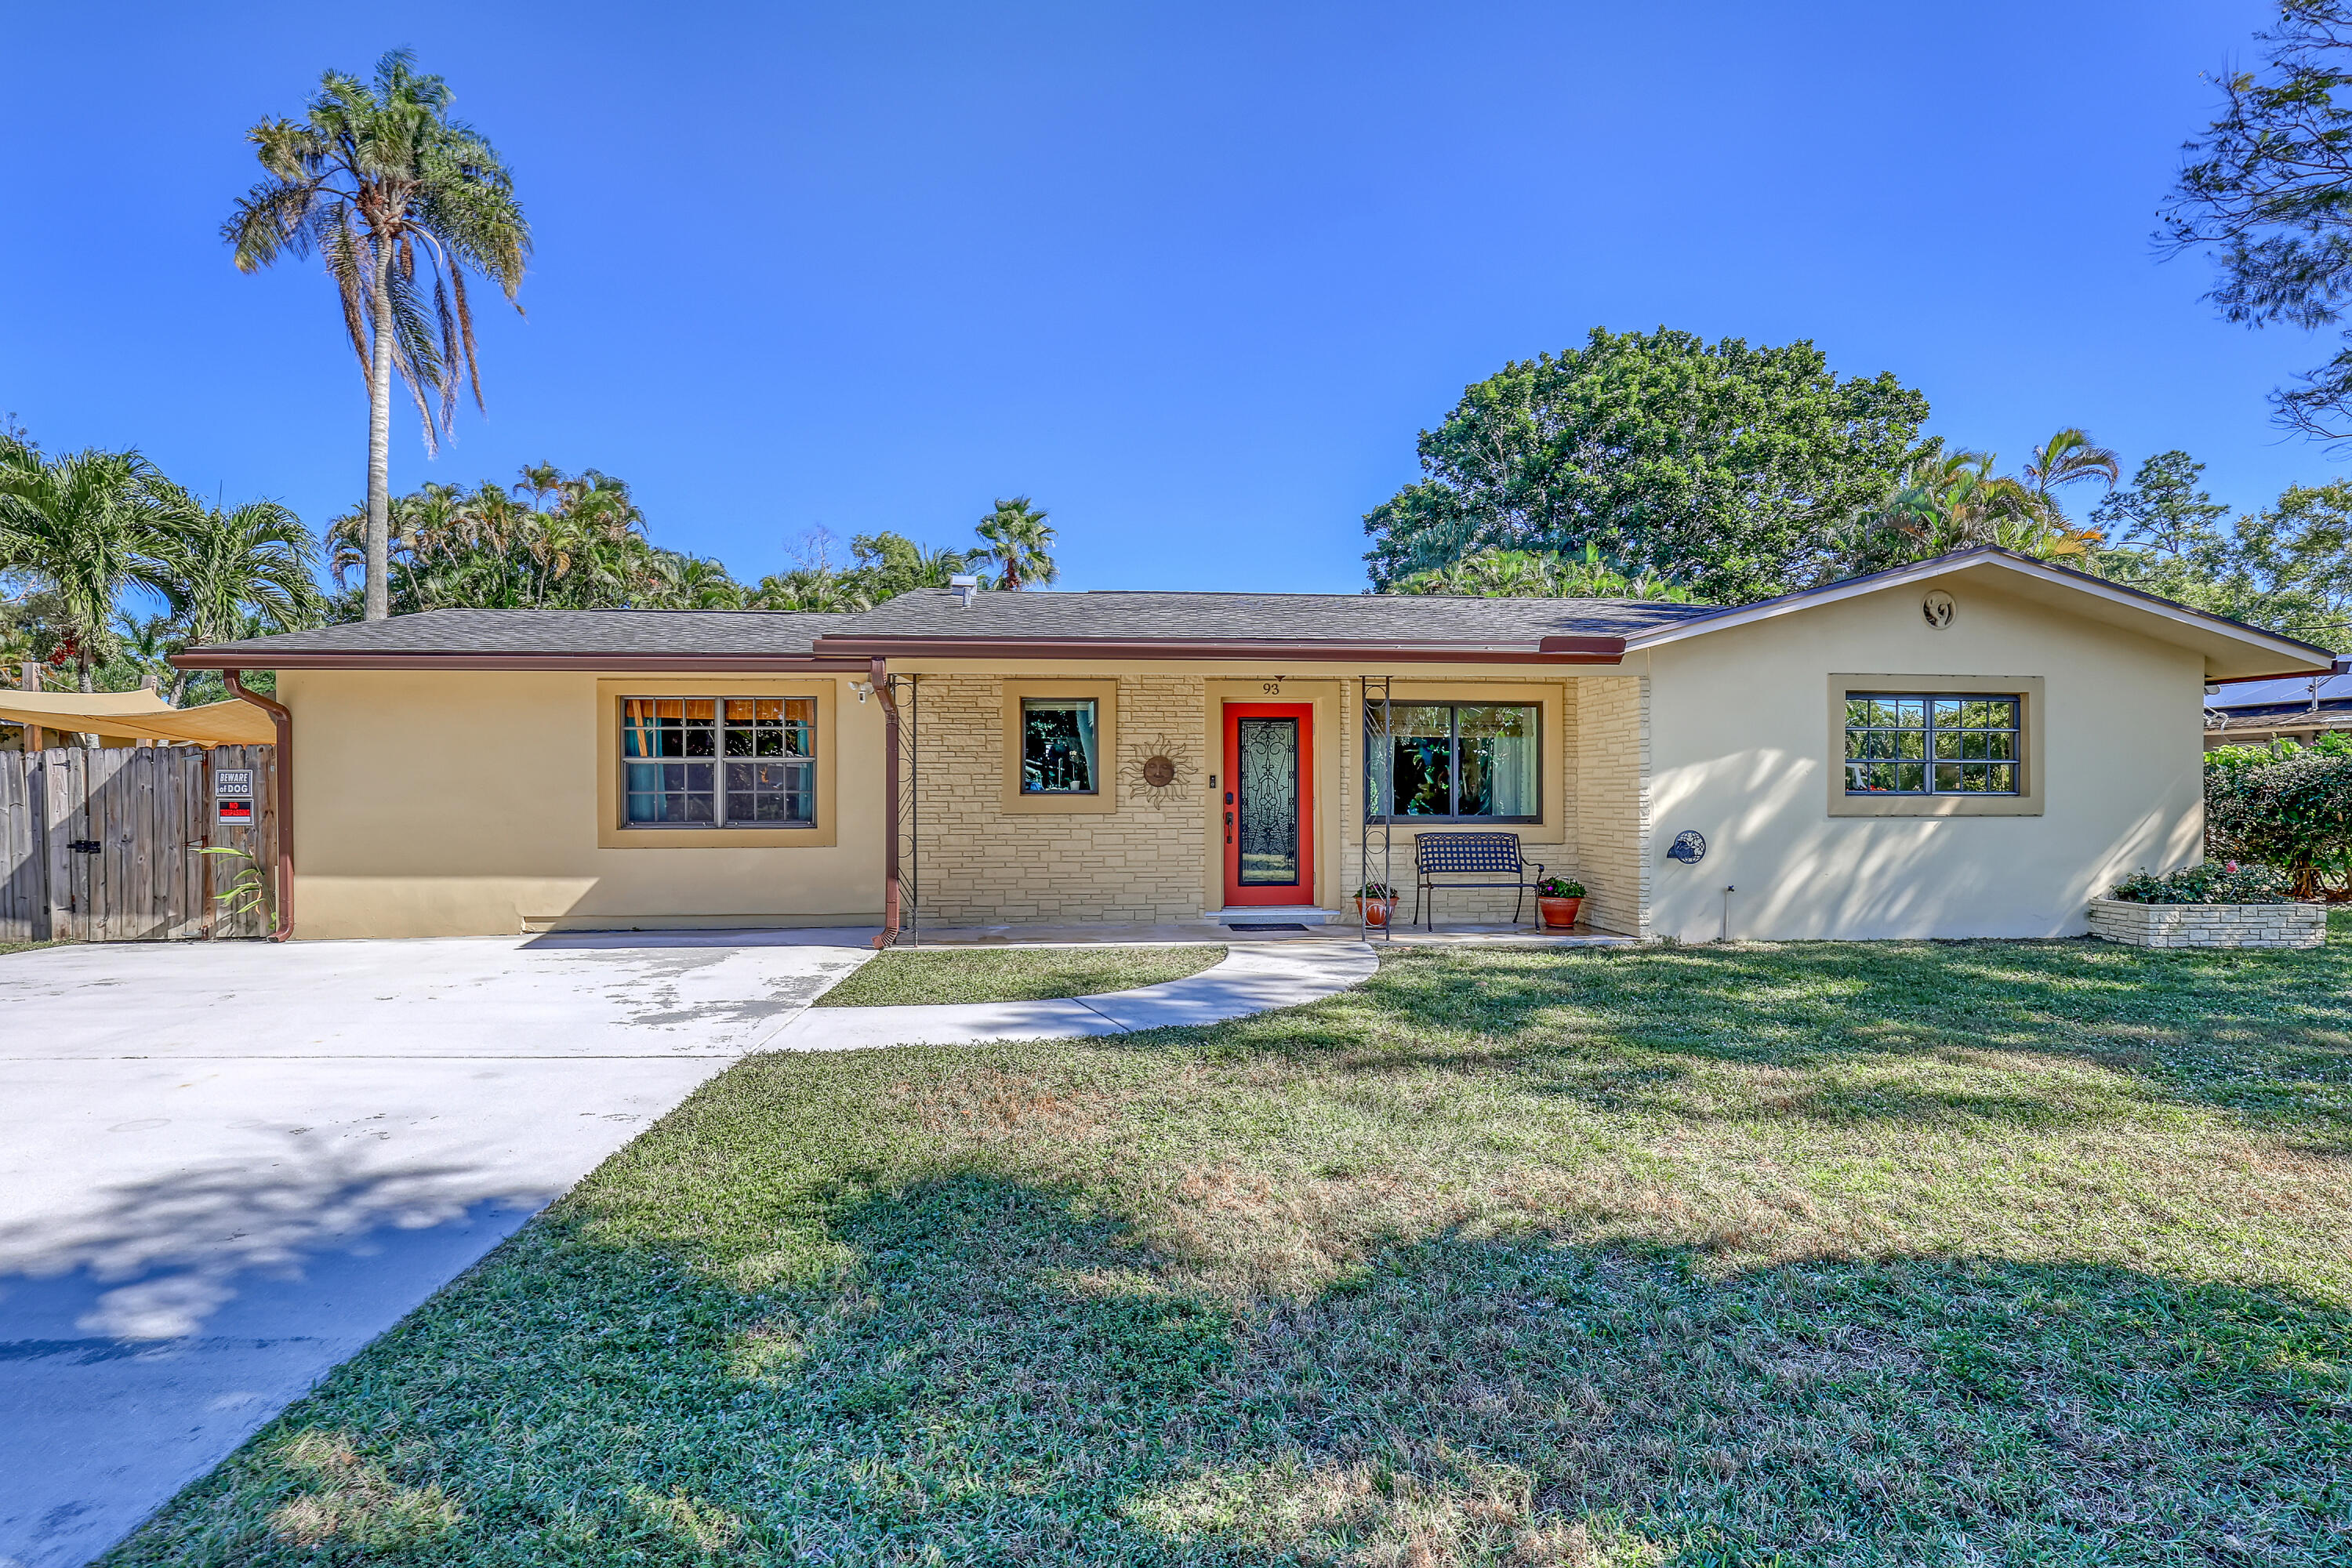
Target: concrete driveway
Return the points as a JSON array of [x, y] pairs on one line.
[[225, 1167]]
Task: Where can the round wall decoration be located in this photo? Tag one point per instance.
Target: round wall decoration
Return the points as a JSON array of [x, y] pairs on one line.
[[1938, 609], [1158, 771], [1689, 848]]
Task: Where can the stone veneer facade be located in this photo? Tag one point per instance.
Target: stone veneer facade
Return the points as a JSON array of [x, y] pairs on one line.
[[1148, 860], [2209, 925]]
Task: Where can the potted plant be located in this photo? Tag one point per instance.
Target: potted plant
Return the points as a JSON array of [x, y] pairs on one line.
[[1375, 902], [1557, 901]]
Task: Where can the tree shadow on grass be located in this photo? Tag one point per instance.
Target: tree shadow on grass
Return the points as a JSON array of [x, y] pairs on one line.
[[2265, 1036], [998, 1373]]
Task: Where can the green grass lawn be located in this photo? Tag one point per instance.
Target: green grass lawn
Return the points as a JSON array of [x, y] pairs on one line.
[[1814, 1253], [9, 947], [1011, 973]]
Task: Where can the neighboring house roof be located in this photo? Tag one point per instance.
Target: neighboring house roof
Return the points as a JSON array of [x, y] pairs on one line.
[[941, 622], [2265, 707], [2294, 693], [523, 639]]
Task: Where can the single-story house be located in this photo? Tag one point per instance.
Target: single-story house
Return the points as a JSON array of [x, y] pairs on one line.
[[1973, 745]]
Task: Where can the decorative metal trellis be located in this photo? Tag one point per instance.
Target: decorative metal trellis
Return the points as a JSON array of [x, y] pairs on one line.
[[1379, 736], [909, 857]]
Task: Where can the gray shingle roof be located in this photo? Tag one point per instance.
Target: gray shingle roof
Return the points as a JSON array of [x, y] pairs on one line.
[[768, 632], [1117, 615]]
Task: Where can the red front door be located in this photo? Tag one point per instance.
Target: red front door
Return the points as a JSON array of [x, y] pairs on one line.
[[1269, 802]]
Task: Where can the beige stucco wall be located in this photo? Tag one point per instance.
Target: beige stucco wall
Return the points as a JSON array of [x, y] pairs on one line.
[[466, 803], [1742, 750]]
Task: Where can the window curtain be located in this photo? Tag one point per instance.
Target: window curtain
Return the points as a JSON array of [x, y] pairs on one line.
[[1088, 775], [1498, 760]]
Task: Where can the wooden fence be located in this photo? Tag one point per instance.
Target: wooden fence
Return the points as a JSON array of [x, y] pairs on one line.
[[106, 846]]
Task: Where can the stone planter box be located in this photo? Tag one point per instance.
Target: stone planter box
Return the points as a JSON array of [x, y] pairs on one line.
[[2209, 925]]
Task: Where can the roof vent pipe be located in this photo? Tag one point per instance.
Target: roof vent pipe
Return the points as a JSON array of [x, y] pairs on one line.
[[965, 587]]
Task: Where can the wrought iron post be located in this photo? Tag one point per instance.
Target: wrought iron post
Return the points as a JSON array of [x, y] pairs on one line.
[[1378, 742], [904, 700]]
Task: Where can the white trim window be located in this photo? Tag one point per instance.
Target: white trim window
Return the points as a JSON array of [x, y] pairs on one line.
[[719, 762]]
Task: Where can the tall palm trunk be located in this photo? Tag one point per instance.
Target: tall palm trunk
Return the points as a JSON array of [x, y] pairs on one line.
[[379, 492]]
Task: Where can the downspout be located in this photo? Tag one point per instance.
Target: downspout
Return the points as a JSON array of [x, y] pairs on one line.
[[283, 718], [880, 680]]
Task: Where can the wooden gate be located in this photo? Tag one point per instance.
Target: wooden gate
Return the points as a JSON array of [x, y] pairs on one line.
[[106, 846]]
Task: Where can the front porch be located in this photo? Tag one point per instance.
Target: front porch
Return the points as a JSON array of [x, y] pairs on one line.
[[1147, 852]]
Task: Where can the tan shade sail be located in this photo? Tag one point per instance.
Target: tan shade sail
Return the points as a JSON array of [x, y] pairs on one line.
[[139, 716]]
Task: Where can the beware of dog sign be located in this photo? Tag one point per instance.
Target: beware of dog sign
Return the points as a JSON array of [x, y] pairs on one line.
[[233, 796]]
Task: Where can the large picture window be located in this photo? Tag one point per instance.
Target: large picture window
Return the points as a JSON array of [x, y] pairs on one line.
[[719, 762], [1058, 746], [1928, 744], [1452, 762]]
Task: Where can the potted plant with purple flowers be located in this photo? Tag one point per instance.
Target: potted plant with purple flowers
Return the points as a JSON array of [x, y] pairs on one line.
[[1557, 901], [1375, 902]]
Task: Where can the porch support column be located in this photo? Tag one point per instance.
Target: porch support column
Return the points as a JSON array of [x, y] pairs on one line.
[[880, 678]]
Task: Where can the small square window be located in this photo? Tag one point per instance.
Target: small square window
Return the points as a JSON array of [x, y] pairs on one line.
[[1058, 744]]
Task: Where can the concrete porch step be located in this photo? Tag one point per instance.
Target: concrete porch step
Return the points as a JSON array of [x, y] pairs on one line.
[[1277, 915]]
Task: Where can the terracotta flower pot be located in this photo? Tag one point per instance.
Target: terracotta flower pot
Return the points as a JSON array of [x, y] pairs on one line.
[[1559, 915], [1374, 912]]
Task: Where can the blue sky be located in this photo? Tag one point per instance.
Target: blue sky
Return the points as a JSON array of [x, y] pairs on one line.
[[1193, 276]]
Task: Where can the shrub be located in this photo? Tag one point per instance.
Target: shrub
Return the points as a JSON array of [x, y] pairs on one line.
[[2292, 810], [2227, 883]]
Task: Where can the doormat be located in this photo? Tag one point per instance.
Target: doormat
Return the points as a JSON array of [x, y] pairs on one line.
[[1264, 925]]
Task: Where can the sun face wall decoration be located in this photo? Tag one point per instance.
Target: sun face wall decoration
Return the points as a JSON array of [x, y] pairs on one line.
[[1158, 771]]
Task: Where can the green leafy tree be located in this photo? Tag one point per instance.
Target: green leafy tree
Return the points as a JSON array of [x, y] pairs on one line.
[[401, 202], [1722, 467], [80, 528], [2267, 187], [1947, 499], [2287, 568], [554, 540], [1016, 540], [1522, 574], [225, 570], [680, 582]]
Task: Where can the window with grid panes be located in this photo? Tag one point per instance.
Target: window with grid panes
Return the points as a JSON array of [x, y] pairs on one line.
[[1932, 743], [719, 762]]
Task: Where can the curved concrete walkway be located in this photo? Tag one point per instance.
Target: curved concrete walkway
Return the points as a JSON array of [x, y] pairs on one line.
[[1256, 978]]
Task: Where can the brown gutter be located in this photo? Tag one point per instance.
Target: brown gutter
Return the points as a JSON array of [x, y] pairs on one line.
[[1549, 650], [879, 673], [625, 663], [283, 718]]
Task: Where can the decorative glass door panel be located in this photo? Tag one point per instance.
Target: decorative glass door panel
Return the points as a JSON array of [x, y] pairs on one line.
[[1267, 804], [1266, 813]]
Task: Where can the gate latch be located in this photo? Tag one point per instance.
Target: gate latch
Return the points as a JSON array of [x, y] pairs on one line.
[[83, 846]]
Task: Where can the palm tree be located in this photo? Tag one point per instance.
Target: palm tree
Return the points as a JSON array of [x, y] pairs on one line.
[[689, 583], [2068, 457], [401, 202], [84, 527], [1019, 542], [225, 570]]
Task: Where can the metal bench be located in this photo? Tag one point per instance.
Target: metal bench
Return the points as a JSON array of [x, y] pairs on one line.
[[1491, 854]]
